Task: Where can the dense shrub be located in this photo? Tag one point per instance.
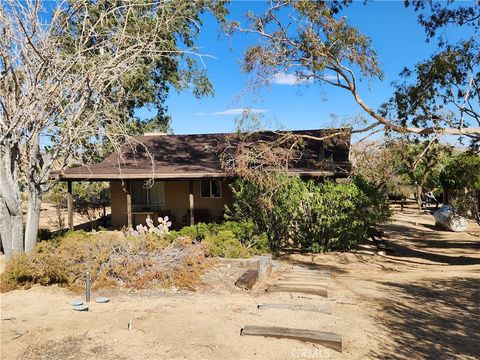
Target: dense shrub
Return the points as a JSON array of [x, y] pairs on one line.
[[463, 171], [44, 234], [229, 239], [309, 216], [111, 258], [225, 244]]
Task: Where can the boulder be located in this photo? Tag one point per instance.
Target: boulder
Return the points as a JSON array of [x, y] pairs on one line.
[[446, 217]]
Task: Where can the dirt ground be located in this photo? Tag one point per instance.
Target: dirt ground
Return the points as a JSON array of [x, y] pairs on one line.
[[55, 219], [422, 302]]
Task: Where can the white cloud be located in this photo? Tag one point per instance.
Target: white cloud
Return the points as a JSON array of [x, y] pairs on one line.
[[330, 77], [236, 111], [283, 78]]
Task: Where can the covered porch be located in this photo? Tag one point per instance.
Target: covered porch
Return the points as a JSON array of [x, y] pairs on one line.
[[184, 201]]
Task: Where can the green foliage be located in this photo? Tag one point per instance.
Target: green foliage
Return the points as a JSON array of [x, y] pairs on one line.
[[150, 80], [229, 239], [462, 171], [301, 43], [420, 162], [340, 215], [195, 232], [224, 243], [309, 216], [440, 91], [245, 232]]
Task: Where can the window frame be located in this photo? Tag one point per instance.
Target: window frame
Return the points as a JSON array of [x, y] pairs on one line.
[[149, 202], [210, 188]]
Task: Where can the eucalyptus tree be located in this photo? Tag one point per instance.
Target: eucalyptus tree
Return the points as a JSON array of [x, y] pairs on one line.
[[419, 162], [71, 74], [444, 89], [312, 40]]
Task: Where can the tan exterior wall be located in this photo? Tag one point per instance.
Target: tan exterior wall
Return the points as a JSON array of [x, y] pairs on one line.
[[176, 200], [118, 200]]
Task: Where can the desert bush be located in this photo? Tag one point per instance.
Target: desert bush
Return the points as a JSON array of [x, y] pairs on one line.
[[225, 244], [44, 234], [308, 216], [235, 239], [194, 232], [112, 258], [245, 232]]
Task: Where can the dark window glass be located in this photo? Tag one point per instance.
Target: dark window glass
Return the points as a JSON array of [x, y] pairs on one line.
[[139, 193], [211, 189], [216, 187], [205, 188]]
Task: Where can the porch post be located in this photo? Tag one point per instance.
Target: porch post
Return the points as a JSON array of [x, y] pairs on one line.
[[70, 205], [129, 204], [191, 201]]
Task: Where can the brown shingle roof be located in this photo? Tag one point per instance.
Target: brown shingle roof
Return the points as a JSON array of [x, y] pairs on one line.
[[196, 156]]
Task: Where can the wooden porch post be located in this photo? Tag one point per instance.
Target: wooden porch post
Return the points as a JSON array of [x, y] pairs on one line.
[[191, 201], [129, 204], [70, 205]]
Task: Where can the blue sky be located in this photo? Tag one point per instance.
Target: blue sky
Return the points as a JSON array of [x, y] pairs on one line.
[[395, 34]]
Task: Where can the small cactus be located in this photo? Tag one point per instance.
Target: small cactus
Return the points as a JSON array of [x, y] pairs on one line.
[[161, 230]]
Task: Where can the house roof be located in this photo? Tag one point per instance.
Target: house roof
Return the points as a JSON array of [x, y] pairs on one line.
[[197, 156]]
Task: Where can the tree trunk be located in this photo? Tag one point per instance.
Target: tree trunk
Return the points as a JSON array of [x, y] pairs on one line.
[[11, 213], [5, 229], [419, 196], [33, 219], [11, 230]]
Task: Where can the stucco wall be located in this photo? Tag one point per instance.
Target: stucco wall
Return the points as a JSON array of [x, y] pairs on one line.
[[176, 200], [118, 199]]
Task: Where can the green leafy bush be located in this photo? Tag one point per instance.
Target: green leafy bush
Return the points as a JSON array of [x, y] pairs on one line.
[[194, 232], [463, 171], [309, 216], [238, 238], [225, 244]]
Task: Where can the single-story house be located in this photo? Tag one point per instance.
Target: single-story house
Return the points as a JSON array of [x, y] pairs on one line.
[[182, 175]]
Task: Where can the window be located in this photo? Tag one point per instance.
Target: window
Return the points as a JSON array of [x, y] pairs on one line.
[[142, 195], [211, 189]]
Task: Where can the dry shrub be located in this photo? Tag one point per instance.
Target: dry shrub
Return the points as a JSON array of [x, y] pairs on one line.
[[112, 259]]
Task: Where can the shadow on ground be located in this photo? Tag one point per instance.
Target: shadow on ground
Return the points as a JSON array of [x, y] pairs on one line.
[[438, 319], [310, 264], [441, 247]]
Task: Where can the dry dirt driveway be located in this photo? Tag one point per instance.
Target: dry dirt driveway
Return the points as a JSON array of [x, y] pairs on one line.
[[421, 303]]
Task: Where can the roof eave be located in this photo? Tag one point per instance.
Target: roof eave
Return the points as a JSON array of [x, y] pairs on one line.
[[185, 176]]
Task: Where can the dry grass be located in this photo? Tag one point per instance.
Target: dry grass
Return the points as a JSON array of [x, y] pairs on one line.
[[112, 259]]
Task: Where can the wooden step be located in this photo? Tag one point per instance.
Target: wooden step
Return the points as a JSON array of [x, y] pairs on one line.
[[327, 339], [298, 289], [300, 284], [314, 272], [322, 308], [304, 280]]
